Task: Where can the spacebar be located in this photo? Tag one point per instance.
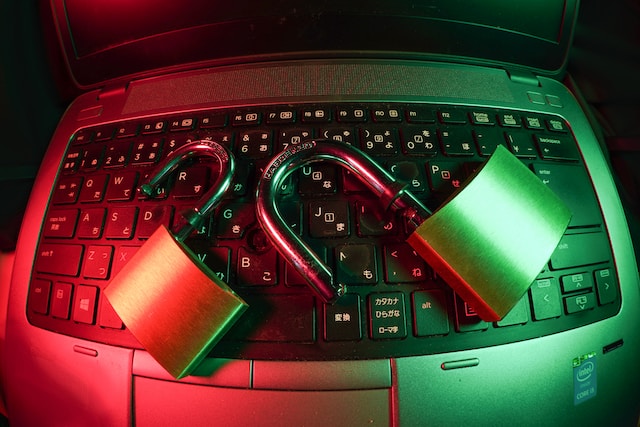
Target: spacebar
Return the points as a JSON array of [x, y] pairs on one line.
[[276, 318]]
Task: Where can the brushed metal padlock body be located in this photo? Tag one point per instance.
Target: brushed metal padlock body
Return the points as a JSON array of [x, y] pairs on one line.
[[491, 239], [172, 303]]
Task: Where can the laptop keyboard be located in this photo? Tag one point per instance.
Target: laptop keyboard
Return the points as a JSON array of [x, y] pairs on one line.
[[395, 306]]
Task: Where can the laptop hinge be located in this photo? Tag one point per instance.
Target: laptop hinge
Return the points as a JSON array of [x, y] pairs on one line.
[[110, 91], [523, 77]]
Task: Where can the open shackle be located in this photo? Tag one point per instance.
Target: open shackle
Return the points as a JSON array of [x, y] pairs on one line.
[[392, 193], [195, 216]]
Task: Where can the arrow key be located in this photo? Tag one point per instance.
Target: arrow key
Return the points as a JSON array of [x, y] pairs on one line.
[[607, 287], [579, 303]]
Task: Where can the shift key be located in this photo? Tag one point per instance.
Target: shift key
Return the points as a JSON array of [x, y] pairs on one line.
[[59, 259], [581, 249]]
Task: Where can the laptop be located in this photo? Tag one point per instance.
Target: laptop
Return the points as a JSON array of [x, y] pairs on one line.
[[428, 90]]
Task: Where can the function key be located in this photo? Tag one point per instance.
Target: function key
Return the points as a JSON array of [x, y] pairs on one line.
[[281, 116], [556, 125], [420, 114], [316, 115], [509, 120], [452, 117], [249, 118], [83, 136], [532, 122], [103, 134], [186, 123], [126, 129], [154, 127], [213, 120], [481, 118], [386, 115], [351, 114]]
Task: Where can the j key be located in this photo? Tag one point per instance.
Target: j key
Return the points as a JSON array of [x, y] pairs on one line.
[[328, 218]]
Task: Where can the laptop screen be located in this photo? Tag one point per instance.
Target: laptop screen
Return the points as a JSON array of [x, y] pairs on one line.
[[105, 40]]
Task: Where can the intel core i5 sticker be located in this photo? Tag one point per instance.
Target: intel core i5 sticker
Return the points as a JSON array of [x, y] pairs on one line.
[[585, 378]]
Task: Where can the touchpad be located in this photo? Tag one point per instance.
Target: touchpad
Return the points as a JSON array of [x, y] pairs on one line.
[[159, 402]]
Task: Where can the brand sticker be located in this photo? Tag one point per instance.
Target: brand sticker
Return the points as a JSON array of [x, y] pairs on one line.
[[585, 378]]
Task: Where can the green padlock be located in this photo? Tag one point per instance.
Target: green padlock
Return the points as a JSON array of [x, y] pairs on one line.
[[488, 241], [174, 305]]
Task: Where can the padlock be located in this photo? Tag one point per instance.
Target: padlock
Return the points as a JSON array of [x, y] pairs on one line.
[[171, 302], [488, 241]]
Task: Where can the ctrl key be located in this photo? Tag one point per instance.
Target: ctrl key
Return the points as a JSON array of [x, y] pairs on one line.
[[39, 296]]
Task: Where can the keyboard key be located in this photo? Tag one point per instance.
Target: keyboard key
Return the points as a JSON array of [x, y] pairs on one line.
[[579, 303], [60, 259], [386, 114], [257, 269], [316, 115], [276, 318], [467, 319], [411, 174], [419, 141], [151, 218], [213, 120], [556, 147], [575, 250], [92, 158], [39, 292], [328, 218], [576, 282], [93, 189], [488, 139], [255, 144], [108, 318], [452, 116], [430, 313], [191, 182], [606, 284], [388, 317], [61, 300], [509, 120], [117, 154], [342, 319], [233, 220], [522, 145], [67, 190], [182, 124], [373, 220], [97, 262], [84, 304], [445, 176], [456, 142], [380, 141], [120, 222], [545, 297], [60, 223], [146, 152], [122, 186], [91, 223], [482, 118], [318, 179], [420, 114], [281, 116], [519, 314], [351, 114], [152, 127], [356, 264], [247, 118], [403, 264]]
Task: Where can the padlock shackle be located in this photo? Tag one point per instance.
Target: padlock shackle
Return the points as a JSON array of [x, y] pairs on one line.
[[393, 195], [210, 200]]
